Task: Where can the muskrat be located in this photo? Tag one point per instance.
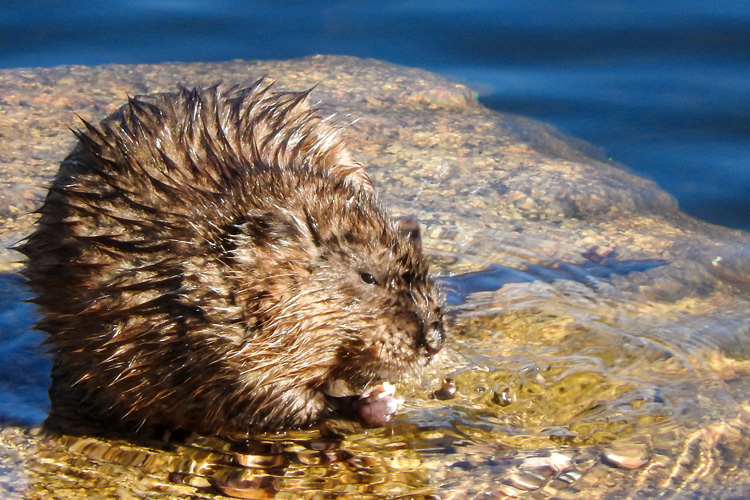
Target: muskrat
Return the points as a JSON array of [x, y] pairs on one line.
[[215, 260]]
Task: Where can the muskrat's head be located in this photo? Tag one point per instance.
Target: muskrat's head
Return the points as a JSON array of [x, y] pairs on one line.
[[339, 288]]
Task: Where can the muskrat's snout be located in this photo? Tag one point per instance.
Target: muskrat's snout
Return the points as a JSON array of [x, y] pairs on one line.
[[434, 338], [431, 332]]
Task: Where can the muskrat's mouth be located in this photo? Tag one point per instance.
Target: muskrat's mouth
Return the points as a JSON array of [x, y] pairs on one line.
[[340, 388]]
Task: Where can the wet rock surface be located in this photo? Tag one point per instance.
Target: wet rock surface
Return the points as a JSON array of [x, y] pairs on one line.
[[565, 381]]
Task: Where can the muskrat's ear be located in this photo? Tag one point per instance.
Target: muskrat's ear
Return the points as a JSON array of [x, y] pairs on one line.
[[408, 226]]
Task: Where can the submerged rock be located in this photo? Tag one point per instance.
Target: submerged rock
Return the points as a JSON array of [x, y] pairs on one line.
[[574, 365]]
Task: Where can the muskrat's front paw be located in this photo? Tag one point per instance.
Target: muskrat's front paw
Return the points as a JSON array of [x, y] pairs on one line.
[[377, 405]]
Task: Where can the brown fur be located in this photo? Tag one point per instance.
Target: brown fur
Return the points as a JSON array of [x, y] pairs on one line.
[[216, 261]]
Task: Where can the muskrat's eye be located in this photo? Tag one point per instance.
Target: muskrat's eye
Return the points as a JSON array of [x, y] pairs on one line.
[[368, 278]]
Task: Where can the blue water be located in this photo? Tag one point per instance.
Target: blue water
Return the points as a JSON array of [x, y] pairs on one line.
[[662, 86], [24, 369]]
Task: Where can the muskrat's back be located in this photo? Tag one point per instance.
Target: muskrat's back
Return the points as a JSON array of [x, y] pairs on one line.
[[215, 260]]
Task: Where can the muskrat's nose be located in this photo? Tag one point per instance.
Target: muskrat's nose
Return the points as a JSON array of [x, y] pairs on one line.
[[434, 338]]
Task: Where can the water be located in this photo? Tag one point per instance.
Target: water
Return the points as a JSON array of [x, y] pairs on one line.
[[24, 371], [660, 86]]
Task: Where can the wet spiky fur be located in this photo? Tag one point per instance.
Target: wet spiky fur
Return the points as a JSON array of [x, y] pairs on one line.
[[215, 260]]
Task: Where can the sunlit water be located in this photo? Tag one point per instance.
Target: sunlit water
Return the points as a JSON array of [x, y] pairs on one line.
[[558, 376]]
